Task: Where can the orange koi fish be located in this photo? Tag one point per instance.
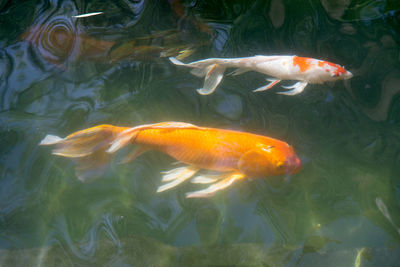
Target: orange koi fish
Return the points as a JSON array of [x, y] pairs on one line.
[[234, 154], [305, 70]]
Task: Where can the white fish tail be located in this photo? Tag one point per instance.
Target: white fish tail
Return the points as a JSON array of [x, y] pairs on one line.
[[212, 69]]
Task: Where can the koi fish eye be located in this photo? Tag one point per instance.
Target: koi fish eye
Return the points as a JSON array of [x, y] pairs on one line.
[[280, 166]]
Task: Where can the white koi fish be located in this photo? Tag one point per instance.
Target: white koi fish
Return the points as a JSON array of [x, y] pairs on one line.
[[305, 70]]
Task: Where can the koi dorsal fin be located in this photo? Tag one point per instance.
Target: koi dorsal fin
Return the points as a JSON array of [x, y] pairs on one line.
[[129, 135], [170, 124]]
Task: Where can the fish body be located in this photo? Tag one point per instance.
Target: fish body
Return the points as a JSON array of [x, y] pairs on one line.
[[305, 70], [214, 149], [235, 154]]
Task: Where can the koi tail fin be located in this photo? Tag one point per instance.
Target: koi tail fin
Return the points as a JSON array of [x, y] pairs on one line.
[[210, 69], [91, 149]]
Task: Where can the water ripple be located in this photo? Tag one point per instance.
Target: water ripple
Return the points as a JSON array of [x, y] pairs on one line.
[[55, 40]]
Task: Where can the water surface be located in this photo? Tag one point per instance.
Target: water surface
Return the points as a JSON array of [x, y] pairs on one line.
[[60, 74]]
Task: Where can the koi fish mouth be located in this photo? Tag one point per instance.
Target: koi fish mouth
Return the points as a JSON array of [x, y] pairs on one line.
[[294, 165], [344, 74], [347, 75]]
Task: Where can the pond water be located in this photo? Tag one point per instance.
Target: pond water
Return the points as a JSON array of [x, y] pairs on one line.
[[60, 74]]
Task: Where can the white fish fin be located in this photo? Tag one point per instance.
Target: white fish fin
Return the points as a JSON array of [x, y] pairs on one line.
[[272, 83], [82, 143], [50, 140], [297, 88], [76, 154], [199, 72], [87, 148], [119, 143], [205, 179], [238, 71], [177, 176], [178, 172], [214, 76], [173, 124], [210, 191], [126, 136], [123, 139], [177, 62]]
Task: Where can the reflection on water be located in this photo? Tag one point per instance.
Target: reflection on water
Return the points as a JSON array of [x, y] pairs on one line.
[[60, 74]]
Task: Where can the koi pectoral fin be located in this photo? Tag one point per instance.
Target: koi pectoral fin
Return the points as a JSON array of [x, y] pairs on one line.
[[205, 179], [177, 176], [268, 86], [210, 191], [179, 172], [297, 88], [215, 73]]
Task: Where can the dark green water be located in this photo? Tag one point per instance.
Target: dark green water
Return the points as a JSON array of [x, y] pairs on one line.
[[60, 74]]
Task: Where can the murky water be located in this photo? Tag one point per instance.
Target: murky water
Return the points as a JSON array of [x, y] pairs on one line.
[[60, 74]]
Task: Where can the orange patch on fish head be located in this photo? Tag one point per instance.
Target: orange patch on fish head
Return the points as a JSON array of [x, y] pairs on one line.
[[266, 160], [303, 63], [335, 69]]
